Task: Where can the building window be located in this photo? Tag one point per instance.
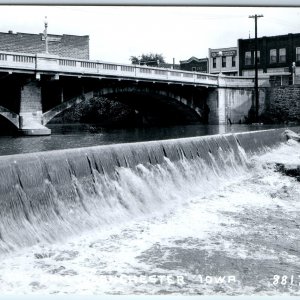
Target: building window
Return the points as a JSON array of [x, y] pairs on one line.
[[233, 61], [214, 63], [258, 57], [194, 69], [273, 56], [282, 55], [223, 61], [248, 58], [298, 54]]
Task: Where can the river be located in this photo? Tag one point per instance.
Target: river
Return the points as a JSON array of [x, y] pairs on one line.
[[228, 224], [83, 135]]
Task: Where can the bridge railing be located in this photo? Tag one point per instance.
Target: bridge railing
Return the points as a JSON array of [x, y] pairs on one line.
[[236, 81], [41, 63], [17, 60]]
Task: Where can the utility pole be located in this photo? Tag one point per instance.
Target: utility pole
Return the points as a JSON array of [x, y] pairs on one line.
[[256, 68]]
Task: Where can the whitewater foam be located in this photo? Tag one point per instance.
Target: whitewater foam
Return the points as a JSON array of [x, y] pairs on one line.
[[223, 214]]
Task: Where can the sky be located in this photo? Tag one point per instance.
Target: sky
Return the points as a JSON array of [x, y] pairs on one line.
[[118, 32]]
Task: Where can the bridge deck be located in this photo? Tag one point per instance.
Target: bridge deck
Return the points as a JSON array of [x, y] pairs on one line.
[[50, 64]]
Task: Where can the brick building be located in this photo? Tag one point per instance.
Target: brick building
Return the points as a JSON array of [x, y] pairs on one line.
[[276, 55], [62, 45], [223, 60], [195, 64]]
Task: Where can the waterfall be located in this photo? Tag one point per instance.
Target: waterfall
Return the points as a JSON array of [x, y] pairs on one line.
[[48, 196]]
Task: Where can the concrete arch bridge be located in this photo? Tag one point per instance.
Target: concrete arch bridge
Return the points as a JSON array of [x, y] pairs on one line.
[[37, 88]]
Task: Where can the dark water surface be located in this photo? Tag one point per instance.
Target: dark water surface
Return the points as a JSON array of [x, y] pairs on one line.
[[66, 136]]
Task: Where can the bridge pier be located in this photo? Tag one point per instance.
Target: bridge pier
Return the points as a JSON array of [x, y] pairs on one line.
[[30, 116], [216, 102], [229, 103]]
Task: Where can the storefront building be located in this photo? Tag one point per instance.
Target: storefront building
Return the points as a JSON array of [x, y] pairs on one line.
[[278, 58], [224, 61]]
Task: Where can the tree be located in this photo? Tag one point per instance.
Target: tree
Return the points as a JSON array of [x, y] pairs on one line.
[[150, 59]]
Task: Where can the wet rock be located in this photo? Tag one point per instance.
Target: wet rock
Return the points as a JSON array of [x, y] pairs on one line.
[[291, 135], [289, 170]]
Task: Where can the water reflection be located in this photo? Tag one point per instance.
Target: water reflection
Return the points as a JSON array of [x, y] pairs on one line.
[[83, 135]]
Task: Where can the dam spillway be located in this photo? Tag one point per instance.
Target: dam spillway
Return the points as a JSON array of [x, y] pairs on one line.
[[73, 219], [47, 195]]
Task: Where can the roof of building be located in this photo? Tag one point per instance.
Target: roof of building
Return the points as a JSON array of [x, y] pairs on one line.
[[10, 32], [223, 49], [273, 36], [193, 58]]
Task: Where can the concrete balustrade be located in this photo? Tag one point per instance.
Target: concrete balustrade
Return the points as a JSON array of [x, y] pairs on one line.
[[52, 63]]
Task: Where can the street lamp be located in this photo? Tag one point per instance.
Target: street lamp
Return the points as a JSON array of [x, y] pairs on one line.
[[294, 71], [46, 35]]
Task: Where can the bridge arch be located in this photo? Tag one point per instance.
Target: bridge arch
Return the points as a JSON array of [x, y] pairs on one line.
[[160, 96], [156, 108], [10, 116], [50, 114]]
